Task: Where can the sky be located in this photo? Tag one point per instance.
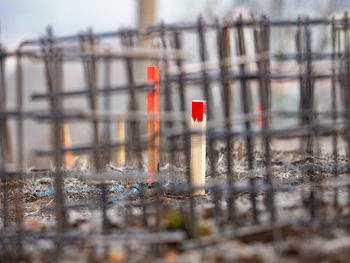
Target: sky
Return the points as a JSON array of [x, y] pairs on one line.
[[28, 19]]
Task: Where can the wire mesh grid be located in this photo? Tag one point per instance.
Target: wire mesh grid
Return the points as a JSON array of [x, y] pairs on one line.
[[234, 66]]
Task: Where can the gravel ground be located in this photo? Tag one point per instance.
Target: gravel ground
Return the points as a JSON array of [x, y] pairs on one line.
[[288, 241]]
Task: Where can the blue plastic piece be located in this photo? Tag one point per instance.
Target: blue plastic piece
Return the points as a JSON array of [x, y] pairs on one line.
[[117, 188]]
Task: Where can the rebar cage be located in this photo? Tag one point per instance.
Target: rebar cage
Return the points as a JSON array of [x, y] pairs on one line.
[[234, 65]]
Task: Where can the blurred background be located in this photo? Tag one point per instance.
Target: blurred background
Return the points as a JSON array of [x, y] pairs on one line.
[[25, 19], [20, 20], [28, 19]]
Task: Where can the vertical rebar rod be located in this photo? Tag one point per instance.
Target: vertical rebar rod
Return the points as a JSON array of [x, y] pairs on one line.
[[49, 56], [346, 85], [104, 201], [143, 204], [203, 53], [308, 98], [20, 153], [245, 97], [206, 91], [217, 208], [334, 109], [92, 84], [309, 87], [127, 40], [224, 50], [168, 106], [107, 154], [6, 129], [347, 81], [303, 48], [186, 139], [262, 47], [299, 47], [3, 143]]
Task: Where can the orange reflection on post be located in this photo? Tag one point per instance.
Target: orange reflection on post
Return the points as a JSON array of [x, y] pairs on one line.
[[260, 114], [153, 121], [68, 156]]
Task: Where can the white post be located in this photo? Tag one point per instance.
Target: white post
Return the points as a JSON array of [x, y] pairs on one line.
[[198, 145]]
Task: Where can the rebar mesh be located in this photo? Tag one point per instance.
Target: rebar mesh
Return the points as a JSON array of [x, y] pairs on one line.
[[234, 65]]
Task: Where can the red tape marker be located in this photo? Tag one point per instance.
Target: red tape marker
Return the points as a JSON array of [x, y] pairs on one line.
[[199, 109]]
